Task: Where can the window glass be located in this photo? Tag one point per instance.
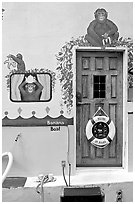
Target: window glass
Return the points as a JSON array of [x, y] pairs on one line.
[[99, 86]]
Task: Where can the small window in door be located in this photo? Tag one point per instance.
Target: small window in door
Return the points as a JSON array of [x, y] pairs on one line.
[[99, 90]]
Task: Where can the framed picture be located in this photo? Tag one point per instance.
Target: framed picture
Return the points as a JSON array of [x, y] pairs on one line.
[[30, 87]]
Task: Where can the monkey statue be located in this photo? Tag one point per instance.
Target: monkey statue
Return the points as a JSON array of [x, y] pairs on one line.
[[101, 31]]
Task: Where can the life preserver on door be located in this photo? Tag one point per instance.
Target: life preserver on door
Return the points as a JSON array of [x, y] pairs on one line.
[[100, 130]]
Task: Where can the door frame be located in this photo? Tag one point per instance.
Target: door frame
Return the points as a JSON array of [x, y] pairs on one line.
[[125, 111]]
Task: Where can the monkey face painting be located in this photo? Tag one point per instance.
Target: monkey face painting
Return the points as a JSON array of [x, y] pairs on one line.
[[30, 88], [100, 14], [101, 29]]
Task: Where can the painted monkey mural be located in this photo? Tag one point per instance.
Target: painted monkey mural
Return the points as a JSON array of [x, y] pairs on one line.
[[19, 60], [101, 31], [30, 87], [27, 85]]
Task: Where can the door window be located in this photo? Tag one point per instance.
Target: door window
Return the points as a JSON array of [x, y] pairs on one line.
[[99, 86]]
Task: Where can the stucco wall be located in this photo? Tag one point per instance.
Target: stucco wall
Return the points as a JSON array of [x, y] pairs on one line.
[[130, 142], [39, 30], [40, 150], [53, 194]]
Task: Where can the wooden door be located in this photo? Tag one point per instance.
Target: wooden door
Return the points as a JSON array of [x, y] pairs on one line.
[[105, 69]]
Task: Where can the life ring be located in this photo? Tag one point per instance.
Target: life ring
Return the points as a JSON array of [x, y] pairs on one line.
[[100, 131]]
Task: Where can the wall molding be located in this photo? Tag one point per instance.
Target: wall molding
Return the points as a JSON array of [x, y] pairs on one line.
[[34, 121]]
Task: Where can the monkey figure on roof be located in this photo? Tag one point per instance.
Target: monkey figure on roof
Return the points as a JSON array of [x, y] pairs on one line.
[[101, 31]]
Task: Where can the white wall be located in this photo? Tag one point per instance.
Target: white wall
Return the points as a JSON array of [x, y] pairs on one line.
[[39, 30], [53, 194], [38, 151]]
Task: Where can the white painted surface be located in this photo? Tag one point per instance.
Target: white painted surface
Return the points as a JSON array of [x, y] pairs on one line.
[[32, 152], [38, 150], [86, 178], [45, 28], [52, 194]]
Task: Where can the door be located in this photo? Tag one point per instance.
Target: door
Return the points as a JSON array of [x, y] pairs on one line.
[[99, 84]]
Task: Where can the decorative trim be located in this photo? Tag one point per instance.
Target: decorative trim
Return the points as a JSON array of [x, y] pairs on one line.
[[33, 121]]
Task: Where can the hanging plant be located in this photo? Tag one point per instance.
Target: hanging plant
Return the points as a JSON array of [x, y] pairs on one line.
[[53, 74], [65, 63]]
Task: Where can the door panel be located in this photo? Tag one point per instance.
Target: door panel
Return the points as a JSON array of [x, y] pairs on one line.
[[106, 65]]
